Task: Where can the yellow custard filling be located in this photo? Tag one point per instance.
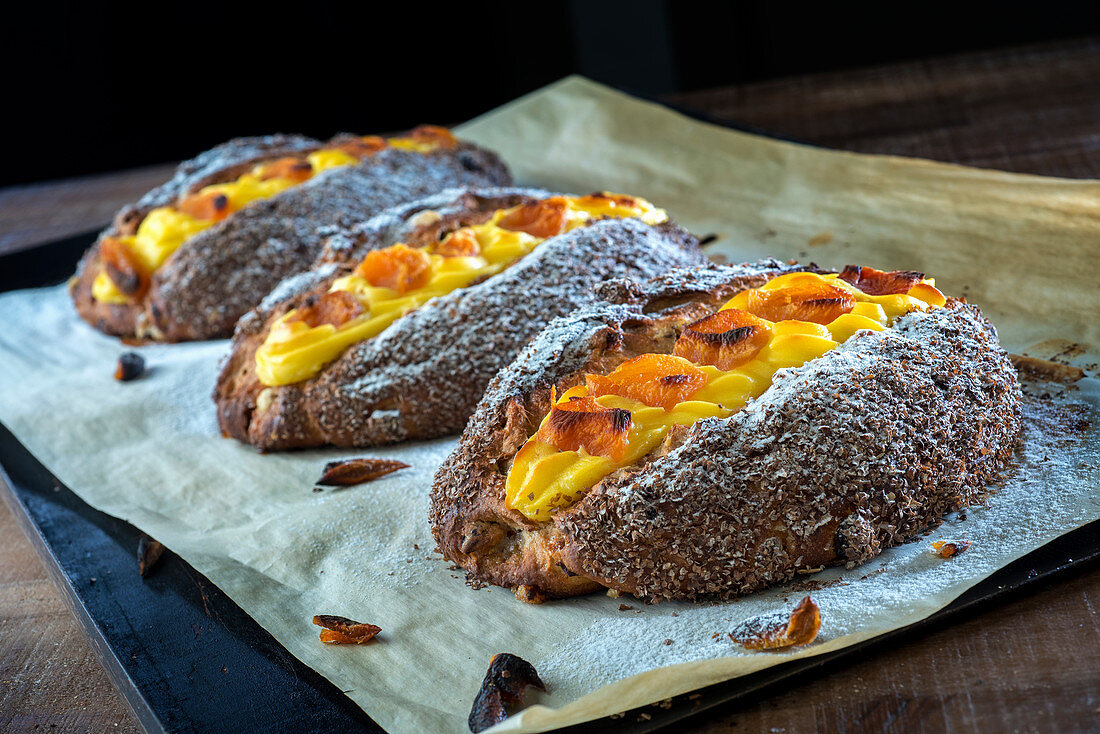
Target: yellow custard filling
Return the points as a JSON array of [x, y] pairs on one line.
[[297, 349], [164, 229], [545, 477]]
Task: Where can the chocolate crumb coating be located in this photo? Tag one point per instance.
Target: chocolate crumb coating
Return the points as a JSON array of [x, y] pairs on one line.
[[860, 449], [220, 273], [422, 376]]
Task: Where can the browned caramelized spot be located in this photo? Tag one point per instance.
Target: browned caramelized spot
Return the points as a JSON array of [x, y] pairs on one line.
[[545, 218], [948, 548], [505, 684], [880, 282], [362, 147], [479, 535], [357, 471], [344, 631], [295, 169], [400, 268], [814, 301], [726, 340], [602, 431], [124, 268], [530, 594], [774, 631], [335, 308], [211, 206], [658, 380], [441, 136], [460, 243]]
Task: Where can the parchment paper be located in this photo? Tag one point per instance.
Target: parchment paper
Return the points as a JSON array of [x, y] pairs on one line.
[[1025, 248]]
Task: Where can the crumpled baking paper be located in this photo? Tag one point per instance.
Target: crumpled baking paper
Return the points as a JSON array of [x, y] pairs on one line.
[[1024, 248]]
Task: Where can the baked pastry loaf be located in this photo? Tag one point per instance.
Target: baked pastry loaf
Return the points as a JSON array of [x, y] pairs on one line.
[[656, 445], [395, 334], [193, 255]]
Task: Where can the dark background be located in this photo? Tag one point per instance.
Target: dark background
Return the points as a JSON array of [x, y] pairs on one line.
[[93, 87]]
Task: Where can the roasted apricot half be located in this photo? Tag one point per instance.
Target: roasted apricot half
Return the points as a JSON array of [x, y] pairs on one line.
[[363, 146], [441, 136], [544, 218], [880, 282], [460, 243], [295, 169], [124, 268], [808, 300], [582, 422], [209, 206], [399, 267], [335, 308], [726, 340], [658, 380]]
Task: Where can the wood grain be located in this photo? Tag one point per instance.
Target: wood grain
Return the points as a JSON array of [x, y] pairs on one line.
[[50, 679], [38, 213], [1032, 110], [1029, 665]]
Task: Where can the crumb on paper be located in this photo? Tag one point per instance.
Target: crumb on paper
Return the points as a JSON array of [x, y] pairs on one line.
[[130, 366], [1046, 370], [343, 631], [357, 471], [949, 548], [780, 629], [505, 683]]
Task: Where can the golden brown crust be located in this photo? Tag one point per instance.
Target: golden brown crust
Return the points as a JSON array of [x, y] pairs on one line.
[[851, 453]]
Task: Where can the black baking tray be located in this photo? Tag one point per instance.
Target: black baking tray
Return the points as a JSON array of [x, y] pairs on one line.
[[186, 658]]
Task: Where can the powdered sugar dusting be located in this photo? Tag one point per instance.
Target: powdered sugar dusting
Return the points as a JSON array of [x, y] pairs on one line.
[[882, 594], [251, 524], [222, 272], [422, 376]]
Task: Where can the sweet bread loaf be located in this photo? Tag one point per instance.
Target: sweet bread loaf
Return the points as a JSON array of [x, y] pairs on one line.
[[715, 431], [193, 255], [396, 332]]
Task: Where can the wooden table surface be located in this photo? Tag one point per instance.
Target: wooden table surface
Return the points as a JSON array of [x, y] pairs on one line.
[[1029, 665]]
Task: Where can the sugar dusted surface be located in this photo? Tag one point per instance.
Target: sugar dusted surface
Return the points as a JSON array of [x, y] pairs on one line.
[[212, 164], [894, 585], [220, 273], [224, 271], [253, 526], [422, 376]]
